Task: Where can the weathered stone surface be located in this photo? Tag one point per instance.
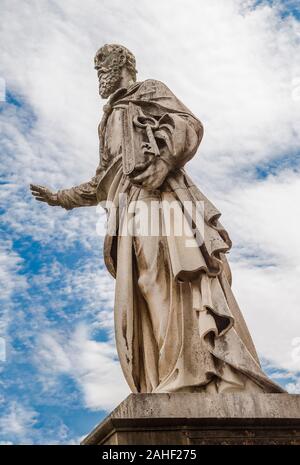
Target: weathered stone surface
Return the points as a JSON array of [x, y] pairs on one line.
[[177, 323], [193, 418]]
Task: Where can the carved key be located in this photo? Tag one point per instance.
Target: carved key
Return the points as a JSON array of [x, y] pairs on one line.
[[149, 124]]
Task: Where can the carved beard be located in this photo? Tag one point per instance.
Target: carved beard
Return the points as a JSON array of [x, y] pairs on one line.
[[109, 82]]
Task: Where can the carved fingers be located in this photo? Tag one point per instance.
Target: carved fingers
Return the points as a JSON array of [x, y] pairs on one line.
[[140, 167], [153, 176], [43, 194]]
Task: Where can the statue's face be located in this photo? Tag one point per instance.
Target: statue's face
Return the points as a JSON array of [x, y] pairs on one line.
[[108, 65]]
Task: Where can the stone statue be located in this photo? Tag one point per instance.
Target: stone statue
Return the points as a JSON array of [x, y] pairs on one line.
[[178, 326]]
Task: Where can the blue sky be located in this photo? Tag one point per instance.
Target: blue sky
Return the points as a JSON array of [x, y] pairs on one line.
[[236, 65]]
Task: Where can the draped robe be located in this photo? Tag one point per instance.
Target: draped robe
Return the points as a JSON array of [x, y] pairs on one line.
[[178, 326]]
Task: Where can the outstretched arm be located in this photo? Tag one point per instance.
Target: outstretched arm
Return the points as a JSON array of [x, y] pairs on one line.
[[83, 195]]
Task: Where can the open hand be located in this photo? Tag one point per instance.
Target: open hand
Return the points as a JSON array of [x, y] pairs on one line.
[[153, 176], [43, 194]]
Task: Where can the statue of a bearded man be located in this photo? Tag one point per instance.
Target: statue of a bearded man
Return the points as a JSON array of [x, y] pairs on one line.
[[178, 326]]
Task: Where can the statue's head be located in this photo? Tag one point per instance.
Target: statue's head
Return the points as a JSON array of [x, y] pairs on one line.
[[112, 63]]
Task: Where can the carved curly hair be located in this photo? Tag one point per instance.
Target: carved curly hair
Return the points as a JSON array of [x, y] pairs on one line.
[[116, 56]]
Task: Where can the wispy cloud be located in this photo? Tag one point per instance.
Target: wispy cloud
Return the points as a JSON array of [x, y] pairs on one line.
[[92, 364], [12, 281], [18, 422], [235, 65]]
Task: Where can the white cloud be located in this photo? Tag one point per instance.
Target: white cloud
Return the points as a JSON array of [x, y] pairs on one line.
[[236, 67], [92, 364], [18, 423], [12, 281], [264, 219], [10, 264], [293, 388], [97, 290]]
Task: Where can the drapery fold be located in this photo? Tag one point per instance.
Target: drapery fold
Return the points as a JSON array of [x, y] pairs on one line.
[[205, 338], [178, 326]]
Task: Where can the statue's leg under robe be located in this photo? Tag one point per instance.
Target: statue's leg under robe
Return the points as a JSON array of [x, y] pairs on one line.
[[178, 336], [170, 330]]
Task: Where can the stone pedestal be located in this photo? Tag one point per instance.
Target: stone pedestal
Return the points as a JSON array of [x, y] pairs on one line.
[[190, 419]]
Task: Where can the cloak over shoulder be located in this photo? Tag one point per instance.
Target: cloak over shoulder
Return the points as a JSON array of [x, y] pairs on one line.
[[205, 315]]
